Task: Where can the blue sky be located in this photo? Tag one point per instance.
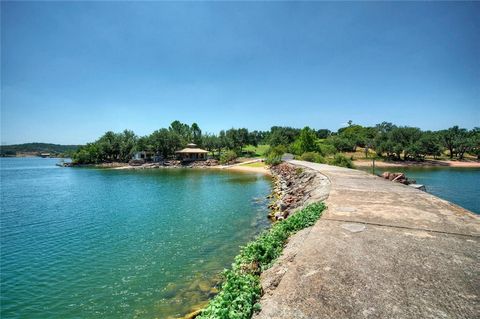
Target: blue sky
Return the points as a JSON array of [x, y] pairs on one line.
[[73, 70]]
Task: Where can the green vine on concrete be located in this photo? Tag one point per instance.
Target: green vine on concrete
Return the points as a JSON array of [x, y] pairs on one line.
[[241, 288]]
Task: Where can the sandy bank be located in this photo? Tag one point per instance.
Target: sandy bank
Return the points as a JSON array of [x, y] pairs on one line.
[[427, 163], [249, 169], [238, 168]]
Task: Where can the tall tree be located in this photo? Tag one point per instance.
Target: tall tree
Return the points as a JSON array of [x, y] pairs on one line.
[[453, 139], [306, 140], [196, 134], [182, 130], [166, 142]]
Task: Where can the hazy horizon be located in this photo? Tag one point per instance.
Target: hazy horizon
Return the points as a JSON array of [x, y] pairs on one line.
[[71, 71]]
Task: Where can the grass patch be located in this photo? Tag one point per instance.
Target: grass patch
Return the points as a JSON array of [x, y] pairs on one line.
[[255, 164], [241, 288], [259, 150]]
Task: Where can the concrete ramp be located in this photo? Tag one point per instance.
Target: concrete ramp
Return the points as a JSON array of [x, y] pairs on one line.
[[381, 250]]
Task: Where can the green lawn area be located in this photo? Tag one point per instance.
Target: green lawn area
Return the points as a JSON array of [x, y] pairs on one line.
[[259, 150], [256, 164]]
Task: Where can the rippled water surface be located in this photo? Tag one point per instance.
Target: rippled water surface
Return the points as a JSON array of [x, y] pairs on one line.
[[455, 184], [92, 243]]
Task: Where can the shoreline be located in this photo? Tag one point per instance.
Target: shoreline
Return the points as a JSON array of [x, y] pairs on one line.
[[237, 167], [426, 164]]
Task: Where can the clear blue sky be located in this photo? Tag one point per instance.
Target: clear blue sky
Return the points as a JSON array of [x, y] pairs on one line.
[[73, 70]]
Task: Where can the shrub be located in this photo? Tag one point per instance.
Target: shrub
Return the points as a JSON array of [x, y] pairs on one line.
[[241, 288], [326, 149], [228, 157], [341, 160], [274, 155], [273, 160], [312, 157]]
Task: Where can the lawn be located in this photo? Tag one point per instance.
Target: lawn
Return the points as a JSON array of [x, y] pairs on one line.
[[259, 150], [256, 164]]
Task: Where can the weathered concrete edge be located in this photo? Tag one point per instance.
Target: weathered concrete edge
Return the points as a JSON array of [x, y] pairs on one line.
[[459, 209], [320, 192], [273, 277]]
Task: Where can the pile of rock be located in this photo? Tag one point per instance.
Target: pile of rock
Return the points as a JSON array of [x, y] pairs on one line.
[[208, 162], [398, 177], [175, 163], [293, 188], [172, 163]]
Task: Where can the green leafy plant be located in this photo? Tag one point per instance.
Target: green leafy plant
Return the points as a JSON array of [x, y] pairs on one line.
[[227, 157], [274, 155], [341, 160], [312, 157], [241, 288]]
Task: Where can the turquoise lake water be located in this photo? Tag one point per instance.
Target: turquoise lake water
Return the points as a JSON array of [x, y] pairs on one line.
[[457, 185], [93, 243]]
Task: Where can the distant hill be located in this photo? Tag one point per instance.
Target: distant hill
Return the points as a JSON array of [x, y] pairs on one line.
[[36, 148]]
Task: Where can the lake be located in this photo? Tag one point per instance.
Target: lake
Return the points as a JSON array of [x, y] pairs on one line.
[[455, 184], [99, 243]]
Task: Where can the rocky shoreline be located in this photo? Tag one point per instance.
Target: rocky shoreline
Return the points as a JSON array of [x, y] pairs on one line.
[[138, 165], [295, 187]]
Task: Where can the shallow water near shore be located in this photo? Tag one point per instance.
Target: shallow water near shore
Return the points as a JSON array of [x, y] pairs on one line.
[[97, 243], [455, 184]]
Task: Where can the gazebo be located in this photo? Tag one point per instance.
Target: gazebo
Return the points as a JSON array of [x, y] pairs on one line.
[[192, 153]]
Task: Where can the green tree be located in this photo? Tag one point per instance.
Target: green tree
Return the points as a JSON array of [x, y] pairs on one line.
[[404, 140], [323, 133], [274, 155], [182, 130], [211, 143], [166, 142], [228, 157], [453, 139], [88, 154], [108, 146], [127, 142], [475, 142], [282, 135], [429, 144], [307, 140], [342, 143], [196, 134]]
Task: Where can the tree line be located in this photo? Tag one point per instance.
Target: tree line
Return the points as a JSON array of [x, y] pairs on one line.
[[385, 139], [164, 142]]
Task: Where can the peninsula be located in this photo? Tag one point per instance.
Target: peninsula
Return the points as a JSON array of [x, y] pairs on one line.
[[380, 250]]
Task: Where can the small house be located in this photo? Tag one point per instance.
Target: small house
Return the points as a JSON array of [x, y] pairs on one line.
[[143, 155], [192, 153]]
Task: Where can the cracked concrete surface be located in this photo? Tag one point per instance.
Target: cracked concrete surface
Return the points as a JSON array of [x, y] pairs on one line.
[[380, 250]]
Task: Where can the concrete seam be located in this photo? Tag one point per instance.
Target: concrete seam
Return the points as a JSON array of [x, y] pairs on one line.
[[401, 227]]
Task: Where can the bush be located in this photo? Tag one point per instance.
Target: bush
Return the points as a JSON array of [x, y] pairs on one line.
[[273, 160], [274, 155], [342, 144], [326, 149], [342, 161], [312, 157], [241, 288], [227, 157]]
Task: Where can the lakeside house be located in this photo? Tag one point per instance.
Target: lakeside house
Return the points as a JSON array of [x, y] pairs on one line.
[[192, 153], [146, 156]]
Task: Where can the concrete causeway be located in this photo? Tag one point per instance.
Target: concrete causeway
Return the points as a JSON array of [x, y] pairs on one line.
[[380, 250]]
